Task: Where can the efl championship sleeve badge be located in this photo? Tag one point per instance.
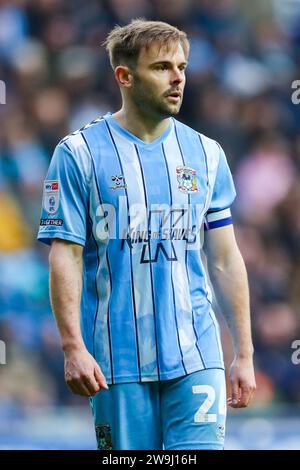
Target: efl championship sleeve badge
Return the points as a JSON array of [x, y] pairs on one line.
[[51, 196], [186, 177]]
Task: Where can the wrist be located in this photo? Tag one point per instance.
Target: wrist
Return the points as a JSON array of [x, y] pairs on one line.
[[244, 354], [72, 345]]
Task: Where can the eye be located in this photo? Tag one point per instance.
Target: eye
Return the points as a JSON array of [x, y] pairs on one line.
[[162, 67], [113, 178], [120, 177]]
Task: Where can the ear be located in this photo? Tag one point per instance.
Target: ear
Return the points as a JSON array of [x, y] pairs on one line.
[[123, 76]]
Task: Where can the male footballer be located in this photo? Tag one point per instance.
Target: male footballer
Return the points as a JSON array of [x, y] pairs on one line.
[[133, 203]]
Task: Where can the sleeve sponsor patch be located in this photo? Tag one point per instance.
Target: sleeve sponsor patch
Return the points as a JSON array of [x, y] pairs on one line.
[[51, 196], [55, 222]]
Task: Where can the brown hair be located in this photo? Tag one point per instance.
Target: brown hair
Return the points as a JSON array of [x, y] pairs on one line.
[[124, 43]]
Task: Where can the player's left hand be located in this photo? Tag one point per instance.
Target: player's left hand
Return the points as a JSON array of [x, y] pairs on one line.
[[242, 382]]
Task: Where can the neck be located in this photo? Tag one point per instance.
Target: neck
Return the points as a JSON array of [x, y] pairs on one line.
[[146, 128]]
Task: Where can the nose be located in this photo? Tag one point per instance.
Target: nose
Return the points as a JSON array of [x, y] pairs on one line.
[[177, 75]]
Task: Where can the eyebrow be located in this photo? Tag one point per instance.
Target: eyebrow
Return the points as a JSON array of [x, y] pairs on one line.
[[168, 62]]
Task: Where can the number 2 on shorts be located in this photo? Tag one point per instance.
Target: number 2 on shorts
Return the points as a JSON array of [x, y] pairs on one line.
[[202, 415]]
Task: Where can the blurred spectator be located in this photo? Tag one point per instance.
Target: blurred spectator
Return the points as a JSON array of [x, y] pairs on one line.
[[263, 178]]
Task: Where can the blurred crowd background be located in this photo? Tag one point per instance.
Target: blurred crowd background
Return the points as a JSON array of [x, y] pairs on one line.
[[244, 59]]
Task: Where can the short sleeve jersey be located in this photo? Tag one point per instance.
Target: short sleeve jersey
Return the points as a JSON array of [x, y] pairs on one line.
[[139, 210]]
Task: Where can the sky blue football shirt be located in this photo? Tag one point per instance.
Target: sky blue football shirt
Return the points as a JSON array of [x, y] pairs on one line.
[[140, 209]]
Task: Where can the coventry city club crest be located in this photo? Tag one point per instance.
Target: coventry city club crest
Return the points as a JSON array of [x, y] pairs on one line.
[[186, 177], [103, 434], [51, 196]]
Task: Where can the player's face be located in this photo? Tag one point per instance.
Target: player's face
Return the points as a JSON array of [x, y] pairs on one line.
[[159, 80]]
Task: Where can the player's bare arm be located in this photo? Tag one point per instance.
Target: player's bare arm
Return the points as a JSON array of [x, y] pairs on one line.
[[82, 373], [229, 278]]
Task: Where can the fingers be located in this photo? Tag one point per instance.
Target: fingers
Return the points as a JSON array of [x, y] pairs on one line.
[[83, 374], [78, 387], [241, 396], [242, 382], [246, 395], [234, 399], [84, 385], [91, 384], [100, 378]]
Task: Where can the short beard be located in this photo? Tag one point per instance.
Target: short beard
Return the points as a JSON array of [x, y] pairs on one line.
[[150, 105]]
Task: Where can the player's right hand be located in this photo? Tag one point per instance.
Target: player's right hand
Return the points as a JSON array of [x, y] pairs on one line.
[[82, 373]]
